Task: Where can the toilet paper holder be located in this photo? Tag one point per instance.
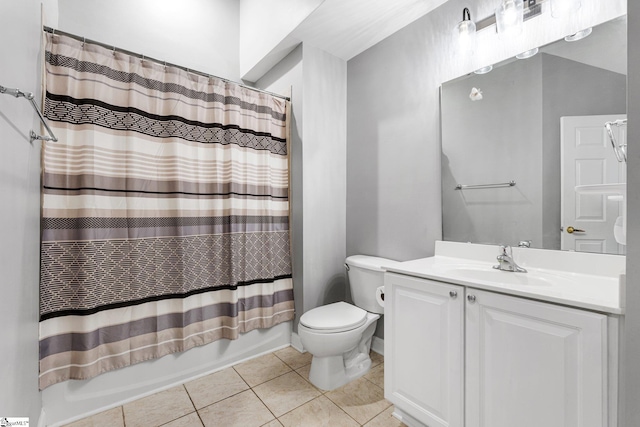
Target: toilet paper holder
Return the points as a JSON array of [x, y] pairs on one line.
[[380, 296]]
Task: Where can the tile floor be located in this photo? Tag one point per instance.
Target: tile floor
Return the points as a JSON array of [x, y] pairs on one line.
[[271, 391]]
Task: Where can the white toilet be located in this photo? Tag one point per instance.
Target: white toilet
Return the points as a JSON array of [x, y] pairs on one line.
[[339, 335]]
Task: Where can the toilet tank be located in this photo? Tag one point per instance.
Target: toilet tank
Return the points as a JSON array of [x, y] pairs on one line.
[[365, 276]]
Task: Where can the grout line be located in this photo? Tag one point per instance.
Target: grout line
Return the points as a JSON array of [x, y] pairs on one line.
[[122, 414], [189, 396], [305, 403], [265, 405], [200, 418], [181, 416], [243, 380], [192, 404]]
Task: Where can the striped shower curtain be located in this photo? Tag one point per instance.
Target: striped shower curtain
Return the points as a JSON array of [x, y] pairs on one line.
[[165, 213]]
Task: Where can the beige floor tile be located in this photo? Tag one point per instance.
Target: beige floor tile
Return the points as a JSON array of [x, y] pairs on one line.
[[320, 412], [385, 419], [158, 409], [110, 418], [304, 373], [376, 358], [274, 423], [293, 357], [215, 387], [361, 399], [285, 393], [241, 410], [191, 420], [376, 375], [261, 369]]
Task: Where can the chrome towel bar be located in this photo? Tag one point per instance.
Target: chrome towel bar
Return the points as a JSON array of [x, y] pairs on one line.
[[477, 186]]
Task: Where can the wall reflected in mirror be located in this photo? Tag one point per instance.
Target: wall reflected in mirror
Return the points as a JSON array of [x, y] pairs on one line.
[[522, 122]]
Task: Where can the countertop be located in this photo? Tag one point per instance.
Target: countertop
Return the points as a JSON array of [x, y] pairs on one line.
[[601, 291]]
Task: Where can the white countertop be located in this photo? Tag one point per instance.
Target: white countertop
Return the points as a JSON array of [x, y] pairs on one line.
[[553, 276]]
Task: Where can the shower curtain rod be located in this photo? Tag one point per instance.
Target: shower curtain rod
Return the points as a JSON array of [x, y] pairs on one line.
[[165, 63]]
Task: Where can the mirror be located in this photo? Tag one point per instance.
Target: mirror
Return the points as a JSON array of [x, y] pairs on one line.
[[504, 127]]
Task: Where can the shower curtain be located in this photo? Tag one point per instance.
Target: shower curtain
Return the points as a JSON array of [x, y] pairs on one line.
[[165, 213]]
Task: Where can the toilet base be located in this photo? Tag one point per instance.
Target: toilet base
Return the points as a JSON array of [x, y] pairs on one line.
[[331, 372]]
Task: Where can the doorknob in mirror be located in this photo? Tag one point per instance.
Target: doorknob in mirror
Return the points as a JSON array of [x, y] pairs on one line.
[[571, 230]]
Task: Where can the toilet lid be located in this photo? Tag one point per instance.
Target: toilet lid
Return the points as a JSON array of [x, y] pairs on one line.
[[336, 317]]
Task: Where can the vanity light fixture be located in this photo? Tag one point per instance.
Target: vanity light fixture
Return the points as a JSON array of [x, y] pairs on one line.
[[579, 35], [509, 18], [527, 54], [564, 8], [465, 31], [484, 70]]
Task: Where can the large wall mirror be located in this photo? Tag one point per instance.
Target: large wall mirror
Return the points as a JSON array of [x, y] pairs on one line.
[[519, 140]]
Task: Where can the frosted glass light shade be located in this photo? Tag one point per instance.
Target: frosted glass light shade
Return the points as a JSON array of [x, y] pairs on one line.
[[509, 18], [465, 32], [564, 8]]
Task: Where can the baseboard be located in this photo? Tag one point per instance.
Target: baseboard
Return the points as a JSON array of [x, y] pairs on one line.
[[377, 345], [296, 342], [42, 421], [405, 418]]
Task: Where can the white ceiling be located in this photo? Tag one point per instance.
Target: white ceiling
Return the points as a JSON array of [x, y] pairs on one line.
[[346, 28]]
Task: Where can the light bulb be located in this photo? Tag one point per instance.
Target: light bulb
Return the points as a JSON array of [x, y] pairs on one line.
[[465, 31], [510, 13], [509, 18]]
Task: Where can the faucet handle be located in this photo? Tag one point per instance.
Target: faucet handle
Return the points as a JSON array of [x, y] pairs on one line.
[[524, 244], [505, 250]]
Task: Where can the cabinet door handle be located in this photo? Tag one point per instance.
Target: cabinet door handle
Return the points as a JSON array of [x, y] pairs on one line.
[[471, 298], [453, 294]]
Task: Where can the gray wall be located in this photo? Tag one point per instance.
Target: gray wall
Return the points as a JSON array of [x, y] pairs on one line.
[[318, 172], [630, 373], [393, 151], [19, 212], [570, 89], [325, 164]]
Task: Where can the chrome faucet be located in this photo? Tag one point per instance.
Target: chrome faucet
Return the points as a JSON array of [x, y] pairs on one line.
[[506, 262]]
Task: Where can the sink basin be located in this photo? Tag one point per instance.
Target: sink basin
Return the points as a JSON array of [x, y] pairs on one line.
[[486, 273]]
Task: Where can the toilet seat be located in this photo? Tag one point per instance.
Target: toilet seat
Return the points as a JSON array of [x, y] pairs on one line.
[[332, 318]]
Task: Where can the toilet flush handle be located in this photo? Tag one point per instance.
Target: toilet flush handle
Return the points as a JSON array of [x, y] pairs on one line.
[[347, 266]]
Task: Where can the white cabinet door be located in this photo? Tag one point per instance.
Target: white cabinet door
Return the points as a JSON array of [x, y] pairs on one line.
[[531, 364], [423, 349]]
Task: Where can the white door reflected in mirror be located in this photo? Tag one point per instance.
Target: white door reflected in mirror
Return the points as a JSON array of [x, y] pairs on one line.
[[589, 217]]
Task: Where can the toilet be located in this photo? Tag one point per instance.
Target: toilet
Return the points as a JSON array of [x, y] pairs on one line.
[[339, 335]]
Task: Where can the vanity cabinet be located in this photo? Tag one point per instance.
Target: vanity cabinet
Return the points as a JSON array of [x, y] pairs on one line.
[[424, 348], [456, 356]]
